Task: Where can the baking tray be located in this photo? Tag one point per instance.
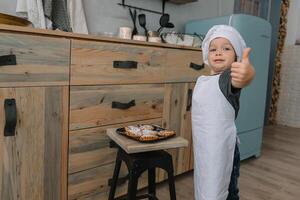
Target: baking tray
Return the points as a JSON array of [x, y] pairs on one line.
[[122, 131]]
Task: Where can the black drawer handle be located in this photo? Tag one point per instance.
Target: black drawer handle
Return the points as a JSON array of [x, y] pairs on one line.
[[8, 60], [122, 106], [125, 64], [10, 117], [189, 100], [196, 66]]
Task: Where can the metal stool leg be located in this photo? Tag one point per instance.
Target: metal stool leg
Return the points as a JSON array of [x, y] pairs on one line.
[[151, 183], [171, 185], [115, 177], [132, 186]]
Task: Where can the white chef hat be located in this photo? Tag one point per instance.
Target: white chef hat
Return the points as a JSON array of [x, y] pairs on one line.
[[227, 32]]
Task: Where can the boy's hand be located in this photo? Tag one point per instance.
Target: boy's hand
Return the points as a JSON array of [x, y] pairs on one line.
[[242, 73]]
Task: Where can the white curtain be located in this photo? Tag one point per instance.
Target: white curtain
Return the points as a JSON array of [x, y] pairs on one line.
[[77, 16], [33, 11]]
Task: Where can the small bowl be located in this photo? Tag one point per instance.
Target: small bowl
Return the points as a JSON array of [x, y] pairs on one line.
[[154, 39], [140, 37], [153, 34]]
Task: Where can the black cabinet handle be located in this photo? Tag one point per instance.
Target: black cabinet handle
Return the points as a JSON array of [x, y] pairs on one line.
[[10, 117], [125, 64], [196, 66], [8, 60], [189, 101], [122, 106]]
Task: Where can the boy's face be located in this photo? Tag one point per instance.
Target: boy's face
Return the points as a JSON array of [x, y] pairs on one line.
[[221, 55]]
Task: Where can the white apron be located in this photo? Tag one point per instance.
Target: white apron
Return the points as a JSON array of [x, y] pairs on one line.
[[214, 139]]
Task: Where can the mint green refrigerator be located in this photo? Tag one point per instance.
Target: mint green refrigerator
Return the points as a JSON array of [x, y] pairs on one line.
[[257, 34]]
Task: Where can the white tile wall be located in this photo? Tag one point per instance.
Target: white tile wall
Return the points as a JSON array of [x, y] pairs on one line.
[[288, 112]]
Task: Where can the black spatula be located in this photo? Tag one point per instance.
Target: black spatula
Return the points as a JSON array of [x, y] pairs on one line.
[[142, 22]]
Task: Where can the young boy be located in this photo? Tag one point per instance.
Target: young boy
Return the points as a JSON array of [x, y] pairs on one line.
[[215, 107]]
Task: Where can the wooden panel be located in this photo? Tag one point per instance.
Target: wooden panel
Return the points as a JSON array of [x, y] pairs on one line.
[[92, 63], [89, 148], [172, 114], [31, 164], [91, 106], [178, 66], [93, 183], [186, 161], [177, 117], [40, 60], [64, 120]]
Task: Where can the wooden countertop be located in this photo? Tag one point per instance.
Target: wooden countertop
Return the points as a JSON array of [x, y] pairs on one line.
[[132, 146], [52, 33]]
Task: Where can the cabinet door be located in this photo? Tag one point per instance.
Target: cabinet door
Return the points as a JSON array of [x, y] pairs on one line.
[[177, 116], [33, 159]]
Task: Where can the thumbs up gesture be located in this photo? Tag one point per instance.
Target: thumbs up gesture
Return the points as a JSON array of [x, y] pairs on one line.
[[242, 73]]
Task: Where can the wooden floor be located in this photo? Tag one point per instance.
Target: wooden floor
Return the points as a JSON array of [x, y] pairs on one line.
[[275, 175]]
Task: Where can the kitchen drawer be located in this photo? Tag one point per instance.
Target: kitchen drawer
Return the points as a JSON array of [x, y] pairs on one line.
[[89, 148], [94, 183], [184, 66], [33, 61], [112, 63], [92, 106]]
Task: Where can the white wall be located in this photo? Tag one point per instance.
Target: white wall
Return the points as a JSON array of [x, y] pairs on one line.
[[288, 111], [293, 25], [107, 16], [8, 6]]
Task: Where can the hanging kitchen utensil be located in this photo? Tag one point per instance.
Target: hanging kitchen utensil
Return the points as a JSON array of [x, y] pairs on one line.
[[164, 19], [164, 22], [133, 18], [169, 25], [142, 22]]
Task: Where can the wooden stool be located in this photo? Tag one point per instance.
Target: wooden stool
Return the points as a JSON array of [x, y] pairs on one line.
[[137, 163]]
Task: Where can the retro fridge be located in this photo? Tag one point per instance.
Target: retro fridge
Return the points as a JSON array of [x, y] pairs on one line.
[[257, 34]]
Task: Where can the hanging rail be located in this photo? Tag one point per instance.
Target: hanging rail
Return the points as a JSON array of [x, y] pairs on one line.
[[147, 10]]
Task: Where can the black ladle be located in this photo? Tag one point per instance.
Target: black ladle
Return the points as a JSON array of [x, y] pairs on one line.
[[142, 22], [133, 18]]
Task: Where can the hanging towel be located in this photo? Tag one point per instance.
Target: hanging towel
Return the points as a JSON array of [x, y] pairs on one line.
[[33, 11], [77, 16], [57, 12]]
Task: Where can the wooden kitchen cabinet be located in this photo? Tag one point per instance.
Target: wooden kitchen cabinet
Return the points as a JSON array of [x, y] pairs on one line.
[[34, 98], [69, 88], [32, 160]]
